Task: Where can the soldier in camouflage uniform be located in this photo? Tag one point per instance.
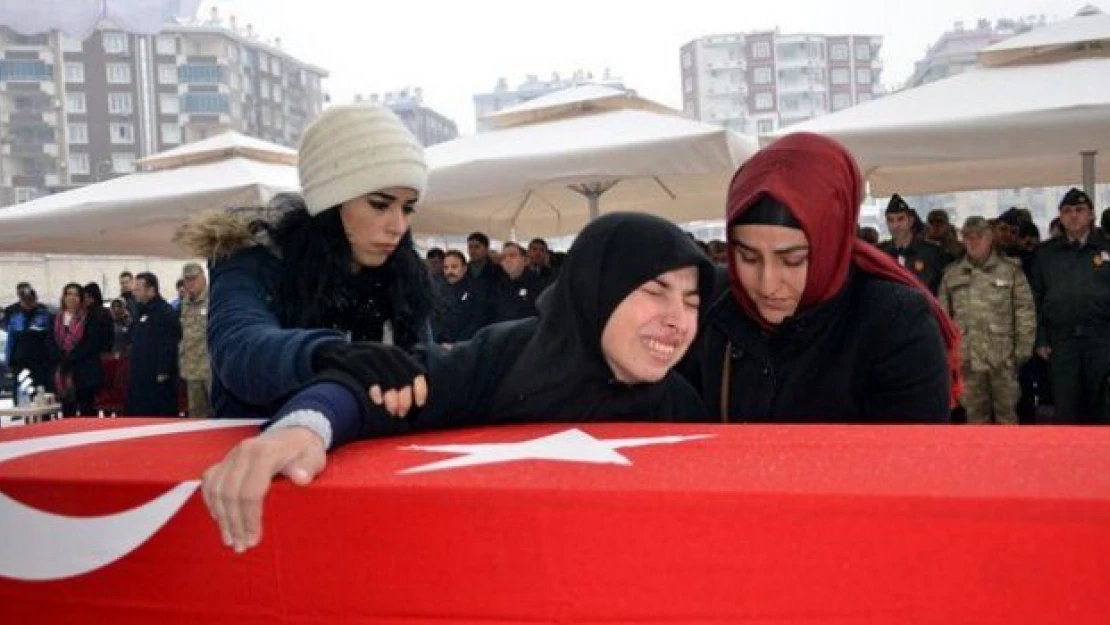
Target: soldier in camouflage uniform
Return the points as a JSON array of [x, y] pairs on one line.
[[195, 368], [990, 299]]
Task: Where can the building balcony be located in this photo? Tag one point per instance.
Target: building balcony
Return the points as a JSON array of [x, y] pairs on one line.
[[727, 91], [801, 86]]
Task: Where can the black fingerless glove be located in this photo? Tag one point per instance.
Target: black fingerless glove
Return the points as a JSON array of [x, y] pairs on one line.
[[368, 363]]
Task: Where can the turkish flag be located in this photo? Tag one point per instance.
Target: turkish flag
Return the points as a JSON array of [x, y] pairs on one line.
[[101, 522]]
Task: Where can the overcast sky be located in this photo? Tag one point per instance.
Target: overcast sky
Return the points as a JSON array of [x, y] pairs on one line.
[[455, 48]]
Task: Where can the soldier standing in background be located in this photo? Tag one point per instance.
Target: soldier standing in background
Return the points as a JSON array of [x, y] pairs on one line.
[[990, 299], [195, 367], [1071, 281], [923, 259]]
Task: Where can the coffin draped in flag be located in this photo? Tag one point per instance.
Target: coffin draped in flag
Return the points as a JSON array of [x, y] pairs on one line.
[[557, 523]]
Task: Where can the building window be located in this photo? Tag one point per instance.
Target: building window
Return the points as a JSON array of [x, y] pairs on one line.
[[171, 133], [79, 163], [763, 76], [75, 102], [687, 63], [34, 71], [839, 52], [764, 101], [119, 103], [766, 126], [169, 104], [166, 45], [863, 76], [277, 94], [264, 90], [839, 76], [233, 79], [122, 133], [115, 43], [761, 50], [123, 162], [167, 74], [75, 72], [204, 103], [841, 101], [78, 133], [266, 118], [233, 52], [203, 74], [275, 66], [119, 73], [863, 52]]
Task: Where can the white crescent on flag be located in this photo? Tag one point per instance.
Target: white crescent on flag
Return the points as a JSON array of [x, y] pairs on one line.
[[36, 545]]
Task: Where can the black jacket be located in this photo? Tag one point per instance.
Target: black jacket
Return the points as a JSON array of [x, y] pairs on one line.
[[464, 382], [1071, 284], [83, 361], [155, 336], [923, 259], [872, 354], [553, 368], [29, 338], [487, 280], [465, 307], [516, 299]]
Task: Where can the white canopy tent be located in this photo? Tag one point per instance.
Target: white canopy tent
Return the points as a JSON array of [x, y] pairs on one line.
[[137, 214], [575, 102], [549, 178], [79, 18], [1028, 124]]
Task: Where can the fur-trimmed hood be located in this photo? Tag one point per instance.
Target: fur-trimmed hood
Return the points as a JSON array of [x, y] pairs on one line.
[[215, 234]]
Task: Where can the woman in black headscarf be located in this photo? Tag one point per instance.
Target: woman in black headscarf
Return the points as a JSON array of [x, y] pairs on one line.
[[622, 313]]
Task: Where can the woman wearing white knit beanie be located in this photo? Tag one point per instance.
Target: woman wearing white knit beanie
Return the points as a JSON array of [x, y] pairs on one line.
[[337, 272]]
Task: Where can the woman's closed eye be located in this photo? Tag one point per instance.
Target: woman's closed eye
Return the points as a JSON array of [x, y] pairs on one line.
[[795, 260]]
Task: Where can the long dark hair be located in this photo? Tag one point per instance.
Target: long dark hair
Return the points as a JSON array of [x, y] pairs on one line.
[[317, 261], [92, 290]]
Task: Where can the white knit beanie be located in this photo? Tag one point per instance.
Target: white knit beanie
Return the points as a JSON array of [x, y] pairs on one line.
[[354, 150]]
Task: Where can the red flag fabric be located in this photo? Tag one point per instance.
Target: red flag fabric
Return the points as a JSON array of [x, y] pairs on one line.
[[552, 523]]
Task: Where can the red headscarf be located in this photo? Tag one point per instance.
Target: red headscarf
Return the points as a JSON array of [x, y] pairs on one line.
[[819, 181]]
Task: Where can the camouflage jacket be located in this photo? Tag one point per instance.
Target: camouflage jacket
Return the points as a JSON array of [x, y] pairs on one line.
[[993, 305], [194, 338]]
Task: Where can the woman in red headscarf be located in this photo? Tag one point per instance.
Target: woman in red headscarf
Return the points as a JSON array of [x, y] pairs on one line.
[[818, 326]]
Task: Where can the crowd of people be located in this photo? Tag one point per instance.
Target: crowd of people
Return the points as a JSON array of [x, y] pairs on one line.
[[138, 356]]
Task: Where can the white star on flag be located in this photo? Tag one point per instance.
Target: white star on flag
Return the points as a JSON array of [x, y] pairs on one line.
[[568, 446]]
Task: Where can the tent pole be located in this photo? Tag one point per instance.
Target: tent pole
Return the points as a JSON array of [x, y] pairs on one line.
[[1089, 172], [595, 199]]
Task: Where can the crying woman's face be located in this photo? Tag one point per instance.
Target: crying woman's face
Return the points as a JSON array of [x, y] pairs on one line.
[[652, 327]]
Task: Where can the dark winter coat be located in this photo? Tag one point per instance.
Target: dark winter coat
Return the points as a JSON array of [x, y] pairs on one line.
[[465, 307], [83, 361], [29, 338], [258, 360], [551, 368], [155, 336], [872, 354]]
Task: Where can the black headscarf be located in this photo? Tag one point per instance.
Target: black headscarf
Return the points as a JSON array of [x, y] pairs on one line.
[[562, 374]]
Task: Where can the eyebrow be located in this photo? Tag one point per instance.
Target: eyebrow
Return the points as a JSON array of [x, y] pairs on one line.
[[785, 250], [667, 285]]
